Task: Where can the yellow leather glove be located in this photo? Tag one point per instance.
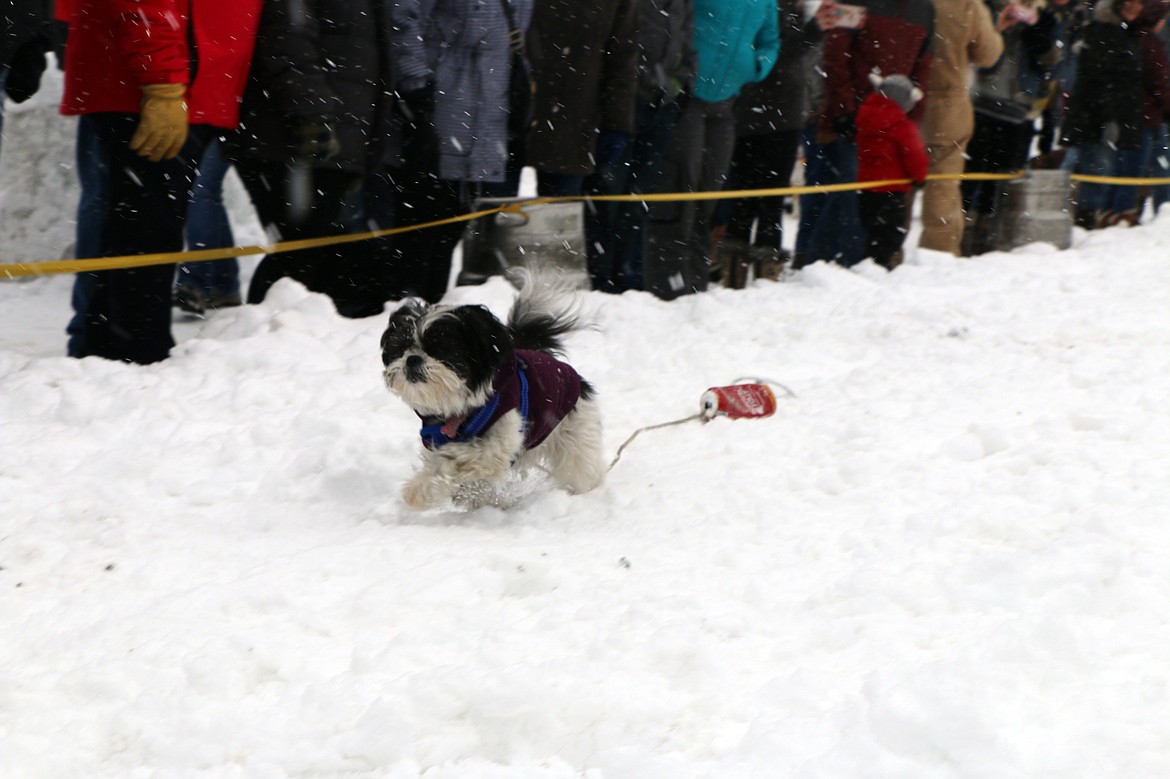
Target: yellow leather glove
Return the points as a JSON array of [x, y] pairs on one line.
[[162, 122]]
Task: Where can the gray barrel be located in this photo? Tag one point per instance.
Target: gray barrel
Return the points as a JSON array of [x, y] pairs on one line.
[[1038, 207], [545, 236]]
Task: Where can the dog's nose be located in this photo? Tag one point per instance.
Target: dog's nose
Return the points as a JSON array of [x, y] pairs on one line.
[[414, 369]]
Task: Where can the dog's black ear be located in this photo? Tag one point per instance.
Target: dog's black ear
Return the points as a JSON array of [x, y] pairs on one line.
[[486, 342], [494, 336]]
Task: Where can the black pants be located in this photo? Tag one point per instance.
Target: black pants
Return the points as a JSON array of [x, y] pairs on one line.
[[127, 315], [883, 215], [677, 251], [299, 202], [420, 260], [996, 146], [761, 162], [614, 231]]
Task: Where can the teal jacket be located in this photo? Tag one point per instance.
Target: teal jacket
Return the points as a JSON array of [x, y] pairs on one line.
[[737, 42]]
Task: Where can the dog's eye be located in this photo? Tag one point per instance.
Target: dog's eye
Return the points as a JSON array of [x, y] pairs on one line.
[[395, 342]]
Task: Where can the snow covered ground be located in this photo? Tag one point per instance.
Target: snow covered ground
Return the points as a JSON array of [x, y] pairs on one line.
[[945, 557]]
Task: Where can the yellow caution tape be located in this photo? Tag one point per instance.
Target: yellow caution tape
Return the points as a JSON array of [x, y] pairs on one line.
[[1120, 181], [12, 270], [15, 269]]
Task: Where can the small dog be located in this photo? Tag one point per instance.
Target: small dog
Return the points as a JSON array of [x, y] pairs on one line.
[[492, 396]]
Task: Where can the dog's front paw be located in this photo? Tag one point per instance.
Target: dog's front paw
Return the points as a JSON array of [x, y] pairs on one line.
[[422, 493]]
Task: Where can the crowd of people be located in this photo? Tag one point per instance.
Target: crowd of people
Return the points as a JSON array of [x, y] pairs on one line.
[[352, 115]]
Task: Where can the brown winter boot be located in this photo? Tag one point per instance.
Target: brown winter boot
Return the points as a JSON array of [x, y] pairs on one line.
[[768, 262], [1128, 218], [894, 261], [731, 263]]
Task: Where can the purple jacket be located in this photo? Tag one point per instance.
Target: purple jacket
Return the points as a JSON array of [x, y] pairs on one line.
[[542, 388]]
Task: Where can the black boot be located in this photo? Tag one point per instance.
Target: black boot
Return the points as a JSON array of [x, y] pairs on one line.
[[731, 263], [1086, 218], [967, 244]]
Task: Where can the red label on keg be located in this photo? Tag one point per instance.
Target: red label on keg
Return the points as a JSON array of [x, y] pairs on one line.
[[739, 401]]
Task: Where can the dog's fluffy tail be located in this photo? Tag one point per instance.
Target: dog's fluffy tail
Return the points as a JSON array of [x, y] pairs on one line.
[[544, 312]]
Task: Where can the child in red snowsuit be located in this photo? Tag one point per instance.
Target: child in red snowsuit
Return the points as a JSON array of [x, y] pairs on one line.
[[889, 147]]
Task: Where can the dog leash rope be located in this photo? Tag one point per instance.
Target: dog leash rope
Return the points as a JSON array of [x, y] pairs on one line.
[[641, 430]]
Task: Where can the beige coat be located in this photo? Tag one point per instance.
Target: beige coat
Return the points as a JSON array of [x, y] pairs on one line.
[[964, 36]]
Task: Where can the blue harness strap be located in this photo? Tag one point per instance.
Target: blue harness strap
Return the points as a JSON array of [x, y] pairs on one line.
[[520, 366], [438, 434]]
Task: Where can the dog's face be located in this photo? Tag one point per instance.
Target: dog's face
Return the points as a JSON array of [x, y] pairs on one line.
[[441, 359]]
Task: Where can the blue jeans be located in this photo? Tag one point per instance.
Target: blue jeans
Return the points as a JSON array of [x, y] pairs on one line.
[[1129, 163], [208, 227], [1093, 159], [1158, 166], [1101, 159], [830, 224], [93, 172], [127, 315]]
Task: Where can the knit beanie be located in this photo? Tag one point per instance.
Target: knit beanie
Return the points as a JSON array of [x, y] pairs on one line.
[[897, 88]]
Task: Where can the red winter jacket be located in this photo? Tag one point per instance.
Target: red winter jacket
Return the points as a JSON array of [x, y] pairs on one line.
[[896, 37], [115, 46], [889, 145]]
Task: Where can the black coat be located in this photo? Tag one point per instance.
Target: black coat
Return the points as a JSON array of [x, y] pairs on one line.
[[1108, 87], [665, 34], [25, 38], [780, 101], [318, 60], [585, 62]]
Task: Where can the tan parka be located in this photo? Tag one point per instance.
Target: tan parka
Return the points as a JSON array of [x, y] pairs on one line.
[[964, 36]]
